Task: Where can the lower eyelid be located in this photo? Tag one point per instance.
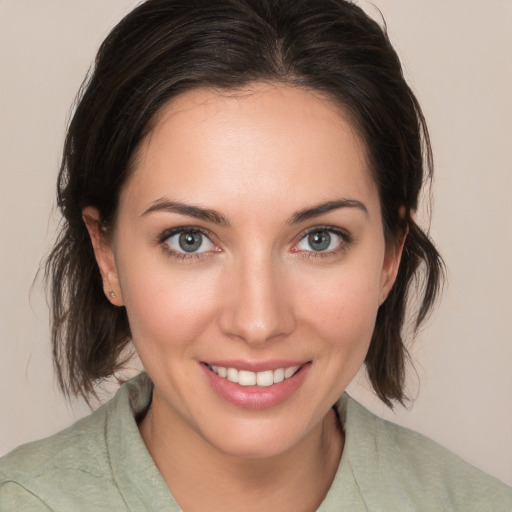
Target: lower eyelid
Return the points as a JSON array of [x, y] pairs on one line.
[[163, 238], [344, 237], [344, 240]]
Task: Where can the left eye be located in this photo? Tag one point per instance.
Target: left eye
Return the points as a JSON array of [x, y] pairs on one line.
[[321, 240], [189, 242]]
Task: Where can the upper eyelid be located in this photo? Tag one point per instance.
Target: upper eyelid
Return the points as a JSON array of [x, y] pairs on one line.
[[333, 229], [184, 255], [346, 240], [344, 233], [185, 229]]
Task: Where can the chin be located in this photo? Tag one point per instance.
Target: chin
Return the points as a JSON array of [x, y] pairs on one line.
[[257, 438]]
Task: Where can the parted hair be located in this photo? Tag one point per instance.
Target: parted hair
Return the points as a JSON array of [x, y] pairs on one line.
[[167, 47]]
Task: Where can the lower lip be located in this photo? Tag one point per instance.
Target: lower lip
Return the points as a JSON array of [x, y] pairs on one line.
[[256, 397]]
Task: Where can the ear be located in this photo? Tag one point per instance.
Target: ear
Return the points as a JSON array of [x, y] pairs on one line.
[[390, 267], [104, 255]]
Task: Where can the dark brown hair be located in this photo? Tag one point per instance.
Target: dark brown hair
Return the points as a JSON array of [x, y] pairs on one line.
[[166, 47]]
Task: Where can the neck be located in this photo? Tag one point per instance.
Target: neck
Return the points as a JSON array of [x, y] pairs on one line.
[[200, 477]]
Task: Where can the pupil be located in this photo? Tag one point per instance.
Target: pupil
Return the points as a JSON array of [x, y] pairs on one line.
[[320, 240], [190, 242]]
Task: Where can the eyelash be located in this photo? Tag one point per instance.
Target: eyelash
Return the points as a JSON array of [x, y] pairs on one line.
[[162, 239], [341, 233], [345, 236]]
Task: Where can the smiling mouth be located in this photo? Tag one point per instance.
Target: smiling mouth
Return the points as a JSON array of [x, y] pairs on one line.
[[264, 378]]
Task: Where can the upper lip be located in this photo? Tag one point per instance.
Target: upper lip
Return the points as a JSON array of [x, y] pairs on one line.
[[256, 366]]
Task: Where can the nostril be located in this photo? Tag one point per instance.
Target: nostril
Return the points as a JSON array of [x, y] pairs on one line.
[[257, 307]]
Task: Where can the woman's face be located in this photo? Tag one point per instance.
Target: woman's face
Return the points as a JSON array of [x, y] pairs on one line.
[[249, 253]]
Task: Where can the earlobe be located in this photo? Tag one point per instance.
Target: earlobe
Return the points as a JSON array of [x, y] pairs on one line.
[[104, 255]]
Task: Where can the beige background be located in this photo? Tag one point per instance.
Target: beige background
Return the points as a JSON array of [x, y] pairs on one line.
[[457, 57]]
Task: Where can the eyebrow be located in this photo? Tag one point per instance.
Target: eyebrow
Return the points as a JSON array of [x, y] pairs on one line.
[[215, 217], [323, 208], [206, 214]]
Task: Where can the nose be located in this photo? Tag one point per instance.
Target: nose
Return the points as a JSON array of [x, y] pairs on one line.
[[258, 301]]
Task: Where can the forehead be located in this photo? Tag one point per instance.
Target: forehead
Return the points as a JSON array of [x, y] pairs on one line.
[[250, 145]]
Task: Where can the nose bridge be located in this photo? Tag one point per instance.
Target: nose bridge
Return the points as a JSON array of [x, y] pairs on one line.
[[259, 307]]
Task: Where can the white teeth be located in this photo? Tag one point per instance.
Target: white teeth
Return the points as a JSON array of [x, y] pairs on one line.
[[232, 374], [288, 372], [265, 378], [278, 375], [246, 378]]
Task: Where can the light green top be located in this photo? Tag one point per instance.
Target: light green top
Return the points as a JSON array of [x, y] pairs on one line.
[[102, 464]]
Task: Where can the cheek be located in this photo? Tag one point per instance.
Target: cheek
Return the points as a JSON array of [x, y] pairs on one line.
[[343, 306], [167, 309]]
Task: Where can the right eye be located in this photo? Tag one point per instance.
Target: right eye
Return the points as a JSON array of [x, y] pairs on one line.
[[189, 242]]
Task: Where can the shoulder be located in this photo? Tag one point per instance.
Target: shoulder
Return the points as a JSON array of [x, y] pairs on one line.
[[79, 445], [389, 459], [74, 458], [53, 473], [14, 497]]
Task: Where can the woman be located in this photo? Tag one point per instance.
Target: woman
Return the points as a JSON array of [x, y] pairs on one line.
[[239, 184]]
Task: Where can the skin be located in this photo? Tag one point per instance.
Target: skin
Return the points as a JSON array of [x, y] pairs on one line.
[[256, 292]]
